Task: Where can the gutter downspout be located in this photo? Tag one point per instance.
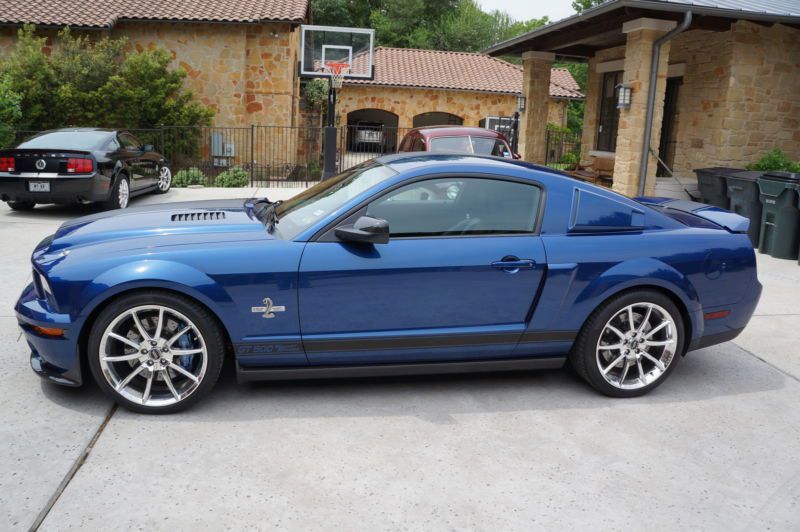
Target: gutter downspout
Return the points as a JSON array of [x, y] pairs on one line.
[[651, 96]]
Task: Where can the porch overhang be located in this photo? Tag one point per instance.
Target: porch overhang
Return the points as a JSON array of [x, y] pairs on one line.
[[578, 37]]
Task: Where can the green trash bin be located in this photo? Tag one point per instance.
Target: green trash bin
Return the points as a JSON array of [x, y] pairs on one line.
[[780, 217], [711, 182], [743, 193]]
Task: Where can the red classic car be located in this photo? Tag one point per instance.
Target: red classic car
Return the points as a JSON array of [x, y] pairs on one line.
[[458, 139]]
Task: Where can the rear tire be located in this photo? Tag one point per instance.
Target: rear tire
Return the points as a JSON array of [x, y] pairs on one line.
[[155, 352], [623, 360], [120, 194], [21, 205]]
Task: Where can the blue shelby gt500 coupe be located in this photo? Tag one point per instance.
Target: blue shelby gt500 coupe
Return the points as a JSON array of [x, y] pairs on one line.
[[405, 264]]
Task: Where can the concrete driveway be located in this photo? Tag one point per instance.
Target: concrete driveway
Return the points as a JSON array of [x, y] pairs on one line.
[[717, 447]]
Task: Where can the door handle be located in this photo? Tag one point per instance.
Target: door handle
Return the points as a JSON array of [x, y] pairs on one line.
[[513, 264]]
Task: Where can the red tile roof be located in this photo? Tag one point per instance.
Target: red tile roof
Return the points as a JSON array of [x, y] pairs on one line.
[[407, 67], [106, 13]]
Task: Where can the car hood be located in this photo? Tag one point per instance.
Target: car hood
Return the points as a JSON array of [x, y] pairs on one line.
[[159, 225]]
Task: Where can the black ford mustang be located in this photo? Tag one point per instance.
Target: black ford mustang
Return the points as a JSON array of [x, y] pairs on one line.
[[81, 165]]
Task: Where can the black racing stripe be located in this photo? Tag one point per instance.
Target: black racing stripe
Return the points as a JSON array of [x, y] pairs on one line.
[[428, 342], [550, 336]]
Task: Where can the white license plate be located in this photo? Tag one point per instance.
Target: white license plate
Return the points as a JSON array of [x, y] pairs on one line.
[[39, 186]]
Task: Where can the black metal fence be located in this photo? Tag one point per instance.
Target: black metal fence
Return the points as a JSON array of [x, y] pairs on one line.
[[290, 155], [271, 155], [563, 149], [359, 143]]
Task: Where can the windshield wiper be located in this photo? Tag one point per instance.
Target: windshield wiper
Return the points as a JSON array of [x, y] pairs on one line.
[[265, 210]]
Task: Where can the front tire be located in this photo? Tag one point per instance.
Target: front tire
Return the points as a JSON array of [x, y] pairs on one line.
[[155, 352], [164, 180], [21, 205], [630, 344]]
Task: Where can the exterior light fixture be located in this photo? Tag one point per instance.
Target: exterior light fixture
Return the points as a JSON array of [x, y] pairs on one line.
[[521, 103], [624, 96]]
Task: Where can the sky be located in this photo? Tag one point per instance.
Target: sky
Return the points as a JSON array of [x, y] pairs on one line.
[[527, 9]]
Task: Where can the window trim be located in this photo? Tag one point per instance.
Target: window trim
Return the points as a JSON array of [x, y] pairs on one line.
[[328, 232]]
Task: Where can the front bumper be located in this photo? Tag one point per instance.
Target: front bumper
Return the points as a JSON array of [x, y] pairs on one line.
[[55, 359], [63, 189]]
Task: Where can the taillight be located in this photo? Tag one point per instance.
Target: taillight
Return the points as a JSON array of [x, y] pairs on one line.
[[7, 164], [79, 166]]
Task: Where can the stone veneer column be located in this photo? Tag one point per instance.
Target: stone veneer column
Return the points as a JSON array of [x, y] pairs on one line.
[[536, 85], [642, 33]]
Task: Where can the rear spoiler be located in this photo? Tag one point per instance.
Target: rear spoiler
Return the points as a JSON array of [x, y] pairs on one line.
[[727, 219]]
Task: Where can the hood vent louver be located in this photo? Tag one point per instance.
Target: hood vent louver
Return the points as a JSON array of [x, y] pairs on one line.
[[206, 216]]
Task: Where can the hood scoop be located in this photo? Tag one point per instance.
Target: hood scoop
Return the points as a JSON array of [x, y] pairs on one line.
[[205, 216]]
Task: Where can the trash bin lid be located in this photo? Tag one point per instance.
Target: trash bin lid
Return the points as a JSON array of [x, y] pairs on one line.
[[717, 170], [747, 175], [791, 177]]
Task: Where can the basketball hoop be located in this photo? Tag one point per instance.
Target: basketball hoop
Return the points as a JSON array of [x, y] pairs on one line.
[[337, 72]]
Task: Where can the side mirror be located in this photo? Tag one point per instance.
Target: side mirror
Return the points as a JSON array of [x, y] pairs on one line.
[[366, 230], [148, 147]]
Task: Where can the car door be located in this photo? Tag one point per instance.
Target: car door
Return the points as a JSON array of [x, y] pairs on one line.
[[456, 281], [132, 153]]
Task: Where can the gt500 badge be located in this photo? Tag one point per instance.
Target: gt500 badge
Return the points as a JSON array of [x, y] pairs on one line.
[[268, 310]]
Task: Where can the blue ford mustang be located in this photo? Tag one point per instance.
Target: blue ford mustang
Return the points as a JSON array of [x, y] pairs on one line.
[[406, 264]]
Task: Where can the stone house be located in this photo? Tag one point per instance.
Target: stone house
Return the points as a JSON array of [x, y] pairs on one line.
[[727, 84], [240, 56], [414, 88]]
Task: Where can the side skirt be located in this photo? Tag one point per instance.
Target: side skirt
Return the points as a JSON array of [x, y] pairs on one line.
[[382, 370]]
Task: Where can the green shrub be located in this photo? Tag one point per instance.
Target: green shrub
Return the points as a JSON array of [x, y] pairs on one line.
[[192, 176], [569, 158], [775, 160], [84, 81], [10, 113], [232, 178]]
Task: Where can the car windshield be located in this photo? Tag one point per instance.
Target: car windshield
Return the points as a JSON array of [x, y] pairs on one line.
[[303, 210], [67, 140], [458, 144]]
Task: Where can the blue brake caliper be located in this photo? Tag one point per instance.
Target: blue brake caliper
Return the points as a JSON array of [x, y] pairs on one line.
[[185, 342]]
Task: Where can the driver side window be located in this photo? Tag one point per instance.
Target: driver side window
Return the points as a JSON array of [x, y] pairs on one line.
[[459, 207], [129, 142]]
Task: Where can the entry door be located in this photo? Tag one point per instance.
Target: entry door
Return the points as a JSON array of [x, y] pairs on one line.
[[668, 142], [457, 280]]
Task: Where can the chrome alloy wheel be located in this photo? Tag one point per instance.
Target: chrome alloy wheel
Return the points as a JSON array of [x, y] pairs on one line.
[[153, 355], [124, 193], [637, 346], [164, 179]]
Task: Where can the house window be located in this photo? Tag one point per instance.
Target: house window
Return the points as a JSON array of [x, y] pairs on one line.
[[609, 114]]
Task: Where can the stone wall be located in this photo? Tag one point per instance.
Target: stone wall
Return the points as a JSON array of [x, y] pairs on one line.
[[246, 73], [740, 96]]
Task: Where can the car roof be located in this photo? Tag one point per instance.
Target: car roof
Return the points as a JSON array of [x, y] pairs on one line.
[[456, 131], [405, 161]]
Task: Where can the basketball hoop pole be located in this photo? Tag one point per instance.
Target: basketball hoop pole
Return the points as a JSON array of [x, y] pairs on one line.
[[336, 70]]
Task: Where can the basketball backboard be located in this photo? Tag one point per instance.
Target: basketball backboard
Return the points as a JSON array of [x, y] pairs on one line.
[[323, 45]]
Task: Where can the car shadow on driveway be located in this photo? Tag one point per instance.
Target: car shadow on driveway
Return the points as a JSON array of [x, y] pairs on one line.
[[712, 373]]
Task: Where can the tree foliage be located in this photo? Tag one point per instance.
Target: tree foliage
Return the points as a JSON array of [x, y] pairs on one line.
[[458, 25], [583, 5], [83, 82]]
